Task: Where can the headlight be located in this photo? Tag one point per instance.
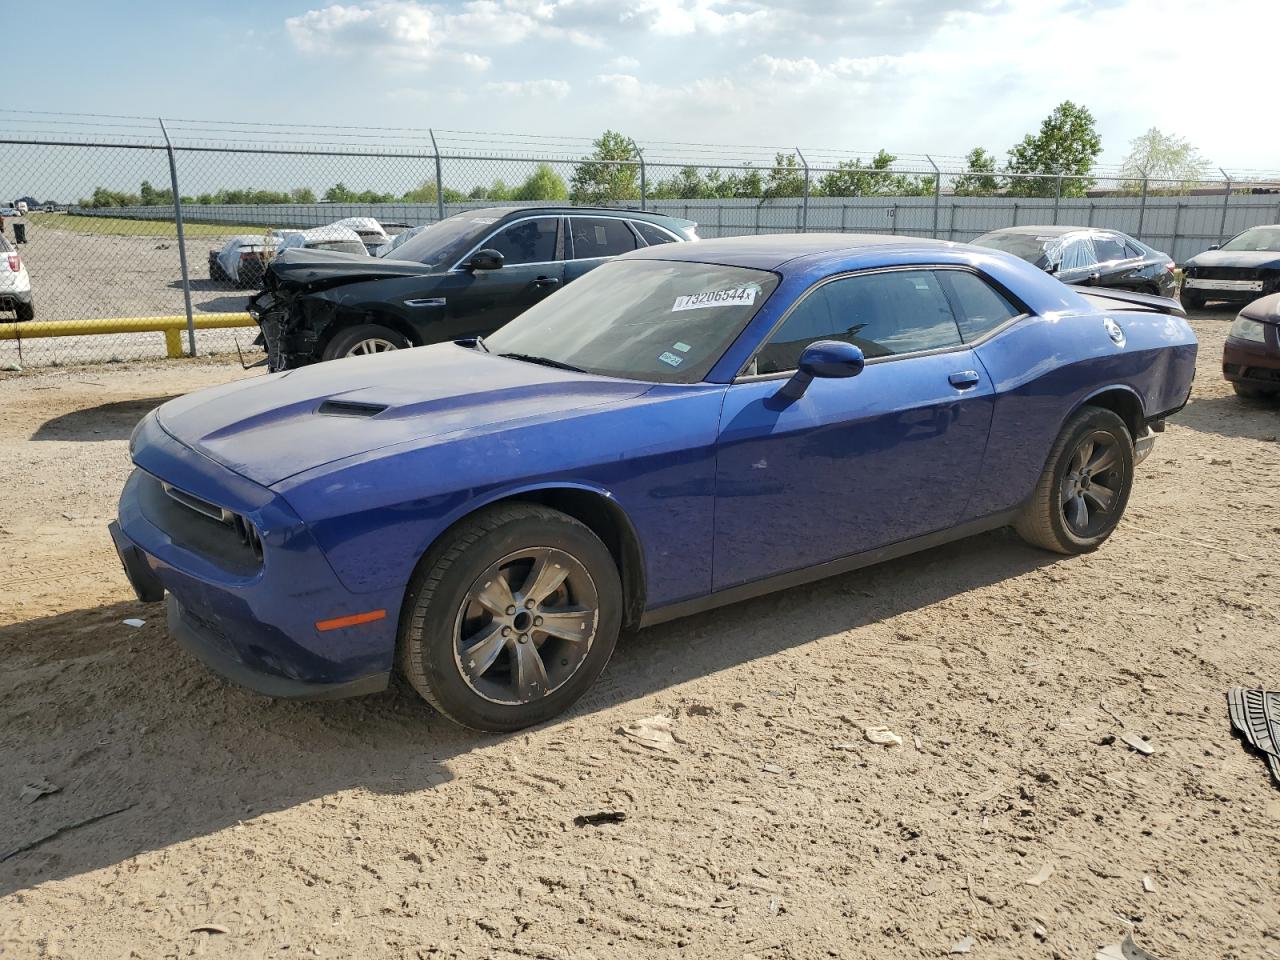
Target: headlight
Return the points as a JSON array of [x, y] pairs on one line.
[[1246, 329]]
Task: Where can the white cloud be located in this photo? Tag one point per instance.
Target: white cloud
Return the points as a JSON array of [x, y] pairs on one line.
[[623, 64], [536, 89]]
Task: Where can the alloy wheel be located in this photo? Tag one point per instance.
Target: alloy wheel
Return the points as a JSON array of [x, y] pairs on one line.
[[1090, 488], [526, 625], [372, 345]]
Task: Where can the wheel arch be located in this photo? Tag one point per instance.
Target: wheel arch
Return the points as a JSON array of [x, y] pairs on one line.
[[1121, 400], [345, 317], [595, 508]]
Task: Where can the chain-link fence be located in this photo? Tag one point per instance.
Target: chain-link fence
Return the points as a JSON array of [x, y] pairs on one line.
[[100, 272]]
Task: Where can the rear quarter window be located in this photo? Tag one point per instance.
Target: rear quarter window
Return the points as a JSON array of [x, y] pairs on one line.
[[979, 307]]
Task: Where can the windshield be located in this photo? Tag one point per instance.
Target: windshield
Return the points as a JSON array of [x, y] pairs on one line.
[[1259, 239], [657, 320], [1025, 246], [446, 240]]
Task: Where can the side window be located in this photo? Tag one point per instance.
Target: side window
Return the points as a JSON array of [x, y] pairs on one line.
[[902, 311], [1077, 254], [600, 237], [1108, 248], [529, 241], [1132, 251], [652, 235], [980, 308]]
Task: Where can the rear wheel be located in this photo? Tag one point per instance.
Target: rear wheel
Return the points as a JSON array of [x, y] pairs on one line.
[[1082, 493], [364, 339], [25, 312], [511, 620]]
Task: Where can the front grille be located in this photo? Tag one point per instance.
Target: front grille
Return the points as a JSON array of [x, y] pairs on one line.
[[1225, 273], [217, 534]]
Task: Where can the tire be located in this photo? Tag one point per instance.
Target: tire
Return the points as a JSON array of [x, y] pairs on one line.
[[365, 338], [1050, 519], [444, 614], [1248, 392], [25, 312], [1192, 300]]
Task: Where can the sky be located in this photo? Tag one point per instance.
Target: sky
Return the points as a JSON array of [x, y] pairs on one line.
[[913, 76]]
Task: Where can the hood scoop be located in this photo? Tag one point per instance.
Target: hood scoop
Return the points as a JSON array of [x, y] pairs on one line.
[[350, 408]]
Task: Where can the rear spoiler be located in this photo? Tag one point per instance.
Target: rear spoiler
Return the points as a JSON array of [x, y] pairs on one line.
[[1108, 299]]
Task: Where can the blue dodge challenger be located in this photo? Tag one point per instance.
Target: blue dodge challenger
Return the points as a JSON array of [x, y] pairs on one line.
[[687, 426]]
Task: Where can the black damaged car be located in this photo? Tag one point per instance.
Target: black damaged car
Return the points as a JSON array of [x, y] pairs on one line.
[[464, 276], [1242, 270], [1089, 257]]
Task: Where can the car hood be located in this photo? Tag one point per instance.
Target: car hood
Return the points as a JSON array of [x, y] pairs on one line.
[[272, 427], [1245, 259], [296, 268]]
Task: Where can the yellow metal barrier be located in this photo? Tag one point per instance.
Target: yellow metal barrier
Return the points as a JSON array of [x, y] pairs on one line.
[[171, 327]]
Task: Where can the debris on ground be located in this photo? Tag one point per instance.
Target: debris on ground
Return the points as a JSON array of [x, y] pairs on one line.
[[1040, 876], [652, 732], [210, 928], [772, 768], [595, 819], [1137, 744], [1255, 715], [1148, 886], [33, 791], [133, 622], [883, 736], [962, 946], [1126, 949]]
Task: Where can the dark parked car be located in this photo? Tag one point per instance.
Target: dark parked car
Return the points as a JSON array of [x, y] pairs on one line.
[[1089, 256], [1244, 268], [1251, 357], [686, 427], [462, 277]]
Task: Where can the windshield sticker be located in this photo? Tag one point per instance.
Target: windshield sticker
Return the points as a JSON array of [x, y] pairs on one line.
[[740, 297], [682, 347], [672, 359], [484, 219]]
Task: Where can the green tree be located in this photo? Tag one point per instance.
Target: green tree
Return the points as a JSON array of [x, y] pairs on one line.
[[1067, 144], [543, 184], [611, 174], [853, 178], [786, 179], [339, 193], [1163, 156], [980, 180], [425, 192], [302, 195]]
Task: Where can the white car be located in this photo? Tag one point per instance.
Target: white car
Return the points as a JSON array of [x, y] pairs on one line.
[[15, 284]]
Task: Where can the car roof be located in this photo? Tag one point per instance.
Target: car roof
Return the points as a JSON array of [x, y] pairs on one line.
[[571, 211], [1054, 230], [771, 251]]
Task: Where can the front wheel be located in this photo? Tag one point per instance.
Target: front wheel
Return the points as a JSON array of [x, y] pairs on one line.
[[1192, 300], [25, 311], [1247, 392], [1082, 493], [509, 621], [364, 339]]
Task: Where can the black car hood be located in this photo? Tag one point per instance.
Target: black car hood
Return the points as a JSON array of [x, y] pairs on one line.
[[296, 268], [1244, 259], [1267, 309]]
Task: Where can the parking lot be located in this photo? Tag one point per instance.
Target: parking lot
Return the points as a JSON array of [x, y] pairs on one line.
[[86, 276], [193, 818]]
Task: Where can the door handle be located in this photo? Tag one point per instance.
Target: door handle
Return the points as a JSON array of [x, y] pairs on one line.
[[964, 379], [546, 283]]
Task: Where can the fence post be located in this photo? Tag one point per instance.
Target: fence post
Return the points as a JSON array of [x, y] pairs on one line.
[[1173, 240], [1057, 198], [182, 240], [1226, 199], [439, 177], [937, 194], [644, 191], [1142, 209], [804, 221]]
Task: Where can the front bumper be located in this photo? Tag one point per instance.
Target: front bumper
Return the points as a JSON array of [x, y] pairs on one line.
[[253, 621], [1252, 364], [1143, 445]]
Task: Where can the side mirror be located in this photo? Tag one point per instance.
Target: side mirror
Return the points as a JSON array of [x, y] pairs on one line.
[[1214, 246], [485, 260], [1094, 277], [825, 359]]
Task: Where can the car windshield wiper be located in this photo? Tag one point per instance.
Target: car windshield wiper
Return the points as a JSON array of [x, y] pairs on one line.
[[544, 361]]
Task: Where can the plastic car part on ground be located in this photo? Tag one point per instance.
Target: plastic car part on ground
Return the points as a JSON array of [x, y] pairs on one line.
[[1256, 716]]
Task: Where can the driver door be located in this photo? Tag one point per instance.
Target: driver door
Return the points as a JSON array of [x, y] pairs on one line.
[[858, 463], [477, 302]]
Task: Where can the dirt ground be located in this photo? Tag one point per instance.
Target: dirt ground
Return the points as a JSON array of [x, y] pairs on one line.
[[235, 826]]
